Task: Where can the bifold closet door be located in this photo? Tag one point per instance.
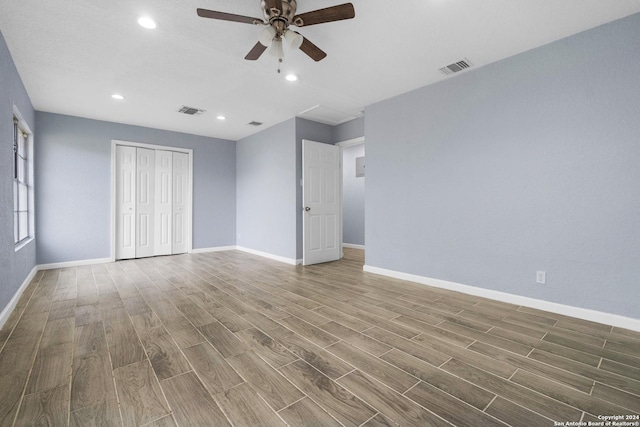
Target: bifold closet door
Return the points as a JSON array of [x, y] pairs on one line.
[[152, 210]]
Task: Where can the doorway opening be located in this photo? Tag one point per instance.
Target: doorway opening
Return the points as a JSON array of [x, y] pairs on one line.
[[353, 196]]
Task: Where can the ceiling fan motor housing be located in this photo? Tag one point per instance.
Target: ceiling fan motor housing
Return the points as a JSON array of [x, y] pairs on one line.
[[280, 19]]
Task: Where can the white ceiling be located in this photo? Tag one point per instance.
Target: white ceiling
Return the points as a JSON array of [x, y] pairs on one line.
[[73, 54]]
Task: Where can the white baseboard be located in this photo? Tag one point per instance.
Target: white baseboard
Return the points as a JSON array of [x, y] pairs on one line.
[[6, 312], [214, 249], [352, 246], [290, 261], [74, 263], [567, 310]]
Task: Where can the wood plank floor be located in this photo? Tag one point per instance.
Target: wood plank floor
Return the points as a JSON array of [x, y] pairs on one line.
[[228, 338]]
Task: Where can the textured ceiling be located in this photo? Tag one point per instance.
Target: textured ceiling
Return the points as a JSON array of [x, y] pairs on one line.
[[73, 54]]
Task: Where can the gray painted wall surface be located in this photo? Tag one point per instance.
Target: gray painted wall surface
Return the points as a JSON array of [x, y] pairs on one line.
[[353, 190], [14, 266], [349, 130], [269, 196], [73, 169], [312, 131], [527, 164], [266, 190]]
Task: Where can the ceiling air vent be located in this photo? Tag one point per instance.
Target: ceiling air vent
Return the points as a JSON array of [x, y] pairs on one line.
[[254, 123], [191, 111], [456, 67]]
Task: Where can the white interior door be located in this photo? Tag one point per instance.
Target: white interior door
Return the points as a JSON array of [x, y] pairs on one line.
[[321, 221], [125, 202], [163, 202], [180, 202], [145, 202]]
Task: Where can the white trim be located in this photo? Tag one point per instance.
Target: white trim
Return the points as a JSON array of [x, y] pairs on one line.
[[24, 126], [6, 312], [190, 204], [188, 151], [23, 243], [22, 121], [352, 246], [351, 142], [112, 214], [151, 146], [566, 310], [290, 261], [214, 249], [69, 264]]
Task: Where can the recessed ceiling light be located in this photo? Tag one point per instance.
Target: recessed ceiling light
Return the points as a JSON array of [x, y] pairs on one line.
[[292, 77], [147, 22], [221, 117], [117, 96]]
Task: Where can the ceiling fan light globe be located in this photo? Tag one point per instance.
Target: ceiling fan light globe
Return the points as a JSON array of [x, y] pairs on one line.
[[266, 35], [276, 49], [294, 39]]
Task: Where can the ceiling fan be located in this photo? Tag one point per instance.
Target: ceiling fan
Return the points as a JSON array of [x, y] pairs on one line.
[[278, 16]]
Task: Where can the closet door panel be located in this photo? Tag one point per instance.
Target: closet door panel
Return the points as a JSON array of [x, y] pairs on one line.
[[164, 202], [125, 202], [180, 202], [145, 202]]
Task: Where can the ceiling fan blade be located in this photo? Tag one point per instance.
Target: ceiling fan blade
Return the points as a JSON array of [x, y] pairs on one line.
[[274, 4], [255, 52], [205, 13], [329, 14], [313, 51]]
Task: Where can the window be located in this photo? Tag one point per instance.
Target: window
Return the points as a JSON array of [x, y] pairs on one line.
[[23, 228]]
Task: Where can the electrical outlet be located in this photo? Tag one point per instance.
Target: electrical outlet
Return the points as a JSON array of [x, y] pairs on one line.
[[541, 277]]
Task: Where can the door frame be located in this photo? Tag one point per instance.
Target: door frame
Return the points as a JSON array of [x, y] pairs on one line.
[[188, 151], [344, 144]]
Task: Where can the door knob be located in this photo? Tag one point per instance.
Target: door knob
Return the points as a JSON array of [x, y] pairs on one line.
[[307, 209]]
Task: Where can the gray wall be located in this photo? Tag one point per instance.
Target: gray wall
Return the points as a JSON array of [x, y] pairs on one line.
[[312, 131], [14, 266], [531, 163], [266, 190], [269, 200], [349, 130], [353, 190], [73, 169]]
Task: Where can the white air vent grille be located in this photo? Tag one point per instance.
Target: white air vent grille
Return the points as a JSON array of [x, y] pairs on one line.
[[190, 111], [456, 67], [254, 123]]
